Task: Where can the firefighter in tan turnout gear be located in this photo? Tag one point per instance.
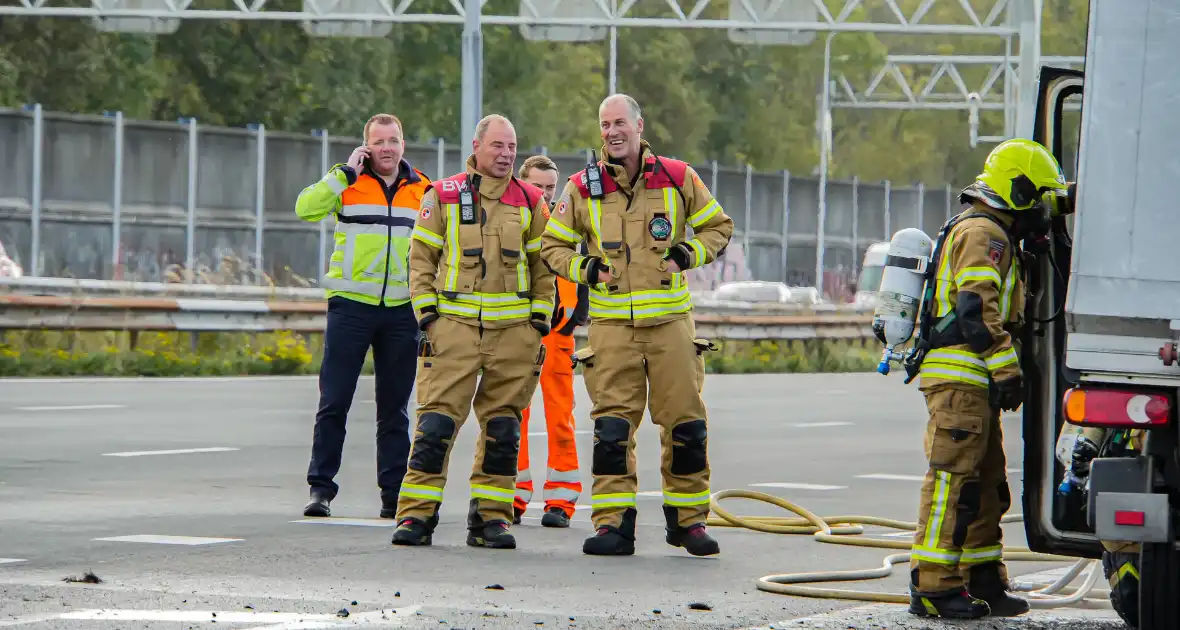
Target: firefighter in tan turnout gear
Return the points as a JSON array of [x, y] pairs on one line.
[[969, 373], [483, 299], [633, 209]]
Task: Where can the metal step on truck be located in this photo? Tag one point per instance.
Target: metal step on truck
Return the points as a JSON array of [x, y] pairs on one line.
[[1102, 367]]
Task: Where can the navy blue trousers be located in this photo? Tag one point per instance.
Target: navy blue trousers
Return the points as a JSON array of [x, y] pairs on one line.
[[393, 334]]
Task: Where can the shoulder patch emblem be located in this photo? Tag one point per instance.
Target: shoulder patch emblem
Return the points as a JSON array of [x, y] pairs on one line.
[[544, 209], [995, 250], [427, 206]]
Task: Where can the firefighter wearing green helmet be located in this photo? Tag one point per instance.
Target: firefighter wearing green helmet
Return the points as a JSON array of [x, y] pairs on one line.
[[970, 371]]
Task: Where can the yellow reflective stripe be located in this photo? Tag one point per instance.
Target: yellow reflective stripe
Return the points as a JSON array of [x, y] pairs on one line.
[[702, 216], [698, 251], [492, 493], [953, 374], [979, 555], [968, 274], [488, 306], [1126, 569], [336, 181], [1006, 295], [575, 271], [426, 236], [935, 555], [426, 299], [533, 245], [522, 263], [595, 207], [526, 220], [681, 499], [452, 247], [942, 294], [672, 208], [543, 307], [428, 493], [952, 356], [618, 499], [942, 487], [1001, 359], [562, 232], [640, 304]]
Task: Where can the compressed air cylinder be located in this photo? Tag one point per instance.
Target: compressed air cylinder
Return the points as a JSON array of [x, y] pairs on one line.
[[900, 293]]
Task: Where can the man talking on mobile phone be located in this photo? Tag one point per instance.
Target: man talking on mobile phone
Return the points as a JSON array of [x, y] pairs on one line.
[[374, 198]]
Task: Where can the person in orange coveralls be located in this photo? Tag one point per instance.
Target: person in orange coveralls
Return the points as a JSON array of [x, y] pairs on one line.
[[563, 482]]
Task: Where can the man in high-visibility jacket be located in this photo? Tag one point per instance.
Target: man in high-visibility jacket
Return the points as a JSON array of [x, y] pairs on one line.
[[563, 480], [970, 373], [483, 298], [633, 209], [374, 198]]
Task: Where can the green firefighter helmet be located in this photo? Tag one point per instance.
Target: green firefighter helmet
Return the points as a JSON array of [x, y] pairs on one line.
[[1019, 172]]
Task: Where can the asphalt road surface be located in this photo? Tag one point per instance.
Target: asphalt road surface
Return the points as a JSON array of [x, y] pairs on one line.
[[184, 496]]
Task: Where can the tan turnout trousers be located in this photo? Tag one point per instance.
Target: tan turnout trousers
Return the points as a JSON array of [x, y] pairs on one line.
[[619, 364], [965, 492], [448, 377]]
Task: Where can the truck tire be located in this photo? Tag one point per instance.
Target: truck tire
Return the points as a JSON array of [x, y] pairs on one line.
[[1159, 582], [1121, 570]]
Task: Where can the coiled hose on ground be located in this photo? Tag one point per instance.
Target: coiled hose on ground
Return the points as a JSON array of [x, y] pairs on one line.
[[841, 530]]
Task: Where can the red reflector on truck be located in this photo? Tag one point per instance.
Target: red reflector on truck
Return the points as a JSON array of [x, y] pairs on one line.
[[1124, 517], [1116, 408]]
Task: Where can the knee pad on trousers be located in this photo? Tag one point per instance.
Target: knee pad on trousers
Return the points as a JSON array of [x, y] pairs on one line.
[[501, 447], [689, 453], [610, 446], [430, 449], [968, 511]]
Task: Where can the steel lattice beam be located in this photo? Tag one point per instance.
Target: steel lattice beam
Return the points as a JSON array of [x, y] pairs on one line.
[[675, 14], [941, 87]]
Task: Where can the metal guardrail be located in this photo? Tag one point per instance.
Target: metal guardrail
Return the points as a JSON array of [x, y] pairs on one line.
[[68, 304]]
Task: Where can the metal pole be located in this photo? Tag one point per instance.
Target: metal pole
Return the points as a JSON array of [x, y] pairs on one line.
[[38, 171], [747, 227], [117, 197], [442, 158], [949, 204], [888, 193], [190, 253], [921, 205], [259, 198], [614, 48], [472, 69], [713, 182], [786, 223], [1030, 65], [325, 146], [855, 219], [825, 127]]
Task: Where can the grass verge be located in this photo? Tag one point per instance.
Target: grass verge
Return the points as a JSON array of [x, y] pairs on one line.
[[123, 353]]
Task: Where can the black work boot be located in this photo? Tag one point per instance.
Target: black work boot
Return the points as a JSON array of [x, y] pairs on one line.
[[613, 541], [516, 514], [555, 517], [491, 534], [955, 603], [389, 503], [415, 532], [319, 505], [984, 582], [693, 538]]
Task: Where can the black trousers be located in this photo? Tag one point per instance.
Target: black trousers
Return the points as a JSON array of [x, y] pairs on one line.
[[393, 334]]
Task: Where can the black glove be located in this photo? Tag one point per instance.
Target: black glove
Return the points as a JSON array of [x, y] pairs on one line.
[[429, 314], [538, 322], [1007, 394], [678, 255]]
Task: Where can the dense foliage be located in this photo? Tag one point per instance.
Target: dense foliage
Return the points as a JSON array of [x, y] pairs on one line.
[[703, 96]]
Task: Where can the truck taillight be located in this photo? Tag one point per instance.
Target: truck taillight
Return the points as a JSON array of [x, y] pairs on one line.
[[1116, 408]]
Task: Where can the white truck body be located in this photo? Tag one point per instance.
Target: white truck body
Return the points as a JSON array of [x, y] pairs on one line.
[[1123, 302]]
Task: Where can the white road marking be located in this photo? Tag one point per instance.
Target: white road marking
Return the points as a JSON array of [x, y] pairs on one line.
[[579, 432], [179, 451], [278, 620], [650, 493], [355, 522], [71, 407], [168, 540], [797, 486], [891, 477], [817, 425], [11, 560]]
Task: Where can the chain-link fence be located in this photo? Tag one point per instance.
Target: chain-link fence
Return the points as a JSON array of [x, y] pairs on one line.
[[107, 198]]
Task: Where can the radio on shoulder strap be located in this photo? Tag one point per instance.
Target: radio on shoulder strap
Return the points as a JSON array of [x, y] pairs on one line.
[[593, 176]]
